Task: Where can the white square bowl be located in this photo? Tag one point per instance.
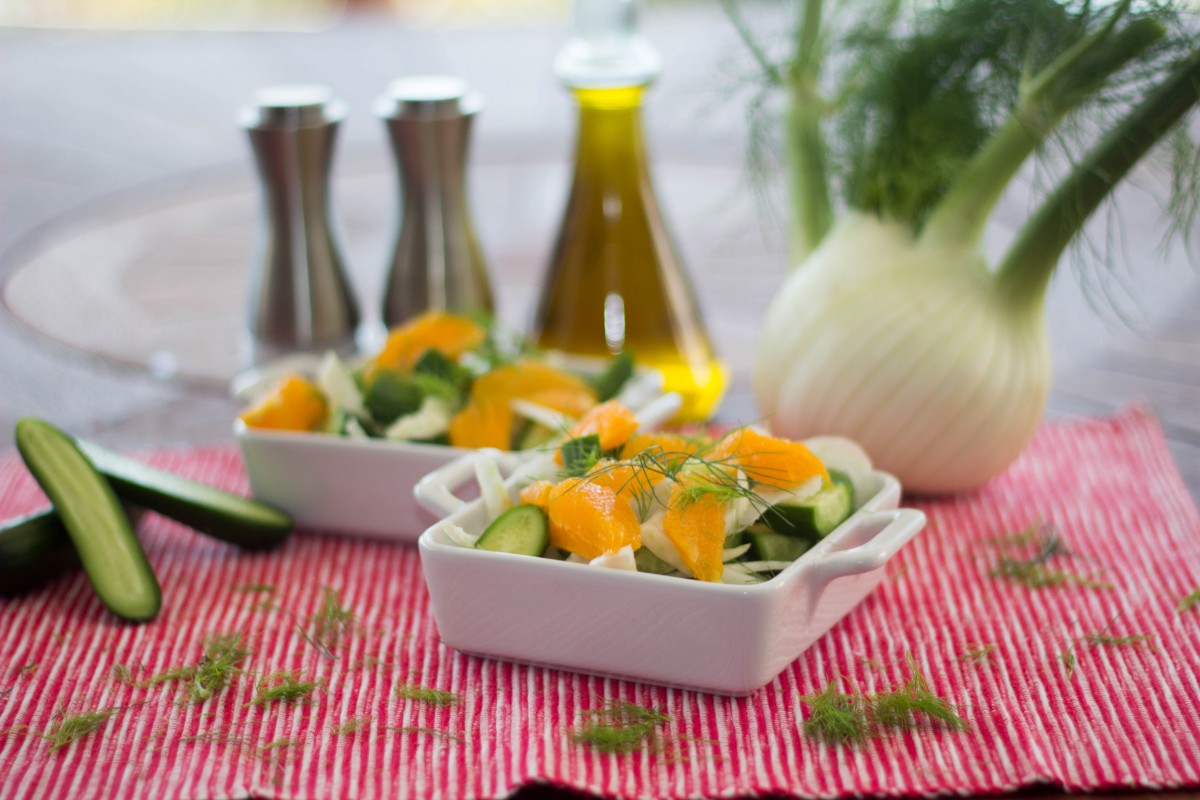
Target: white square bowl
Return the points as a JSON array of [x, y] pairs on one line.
[[365, 486], [652, 628]]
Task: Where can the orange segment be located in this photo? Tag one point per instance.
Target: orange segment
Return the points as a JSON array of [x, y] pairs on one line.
[[611, 421], [696, 526], [590, 520], [572, 402], [485, 424], [488, 415], [767, 460], [537, 494], [294, 405], [674, 446], [626, 480], [524, 379], [449, 334]]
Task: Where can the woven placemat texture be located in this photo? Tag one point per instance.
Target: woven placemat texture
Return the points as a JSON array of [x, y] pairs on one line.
[[1044, 704]]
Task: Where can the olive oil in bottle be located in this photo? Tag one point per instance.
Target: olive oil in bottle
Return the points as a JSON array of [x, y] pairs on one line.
[[615, 280]]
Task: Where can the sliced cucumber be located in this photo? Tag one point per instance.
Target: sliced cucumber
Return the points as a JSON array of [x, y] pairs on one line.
[[33, 549], [736, 539], [814, 517], [648, 562], [36, 549], [93, 517], [223, 515], [771, 546], [842, 478], [521, 530]]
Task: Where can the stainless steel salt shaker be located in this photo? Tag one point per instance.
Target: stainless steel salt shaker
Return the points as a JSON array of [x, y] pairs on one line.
[[300, 298], [436, 262]]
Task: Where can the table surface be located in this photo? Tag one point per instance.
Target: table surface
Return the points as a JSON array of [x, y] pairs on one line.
[[107, 129]]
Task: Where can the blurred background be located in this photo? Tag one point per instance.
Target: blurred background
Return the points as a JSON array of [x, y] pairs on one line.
[[243, 14], [129, 203]]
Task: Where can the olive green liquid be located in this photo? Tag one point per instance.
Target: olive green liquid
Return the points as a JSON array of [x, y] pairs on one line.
[[615, 281]]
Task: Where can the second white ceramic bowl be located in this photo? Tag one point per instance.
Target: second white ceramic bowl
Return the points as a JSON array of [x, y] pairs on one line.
[[653, 628]]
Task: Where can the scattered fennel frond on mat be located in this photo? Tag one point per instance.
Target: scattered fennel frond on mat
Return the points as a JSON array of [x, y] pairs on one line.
[[1188, 602], [351, 726], [978, 653], [620, 727], [424, 694], [330, 624], [850, 718], [282, 687], [69, 728], [1034, 570], [220, 663]]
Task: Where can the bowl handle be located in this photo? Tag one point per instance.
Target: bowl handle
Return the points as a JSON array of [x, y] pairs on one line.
[[894, 528], [436, 491]]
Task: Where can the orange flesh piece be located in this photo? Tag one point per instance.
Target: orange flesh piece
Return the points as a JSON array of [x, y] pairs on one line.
[[671, 444], [697, 529], [449, 334], [487, 424], [488, 416], [525, 379], [590, 520], [767, 460], [611, 421], [295, 405], [537, 494], [625, 480]]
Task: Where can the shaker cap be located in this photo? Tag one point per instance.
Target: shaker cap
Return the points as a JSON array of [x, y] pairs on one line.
[[293, 106], [428, 97]]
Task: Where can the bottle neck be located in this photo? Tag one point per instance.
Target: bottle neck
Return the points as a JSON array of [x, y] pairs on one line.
[[610, 127]]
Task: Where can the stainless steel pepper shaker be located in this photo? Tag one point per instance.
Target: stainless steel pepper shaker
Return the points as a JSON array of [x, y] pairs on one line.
[[300, 298], [436, 262]]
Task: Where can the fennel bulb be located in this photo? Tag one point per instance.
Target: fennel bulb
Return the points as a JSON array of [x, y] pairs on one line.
[[904, 347], [893, 330]]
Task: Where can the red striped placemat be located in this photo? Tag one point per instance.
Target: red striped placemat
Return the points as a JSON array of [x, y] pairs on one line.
[[1125, 715]]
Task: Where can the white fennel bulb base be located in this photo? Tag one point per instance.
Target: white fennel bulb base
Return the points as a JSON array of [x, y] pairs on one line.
[[904, 346]]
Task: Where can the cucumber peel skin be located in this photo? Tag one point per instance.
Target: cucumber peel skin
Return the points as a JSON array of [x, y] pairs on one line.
[[521, 530], [771, 546], [34, 549], [814, 517], [94, 518], [247, 523]]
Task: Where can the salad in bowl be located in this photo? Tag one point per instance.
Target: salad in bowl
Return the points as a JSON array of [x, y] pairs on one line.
[[341, 444], [631, 553]]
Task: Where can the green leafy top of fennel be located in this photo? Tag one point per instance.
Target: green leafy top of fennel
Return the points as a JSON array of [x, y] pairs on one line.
[[924, 115]]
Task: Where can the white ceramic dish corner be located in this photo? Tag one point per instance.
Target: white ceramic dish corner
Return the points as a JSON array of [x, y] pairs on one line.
[[652, 628], [365, 487]]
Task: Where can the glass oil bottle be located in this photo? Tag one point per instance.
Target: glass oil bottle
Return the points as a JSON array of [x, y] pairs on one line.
[[615, 280]]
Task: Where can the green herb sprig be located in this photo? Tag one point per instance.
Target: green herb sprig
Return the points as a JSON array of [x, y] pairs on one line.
[[1035, 572], [1188, 602], [351, 726], [437, 733], [284, 686], [620, 727], [218, 666], [70, 728], [424, 694], [978, 654], [852, 718]]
